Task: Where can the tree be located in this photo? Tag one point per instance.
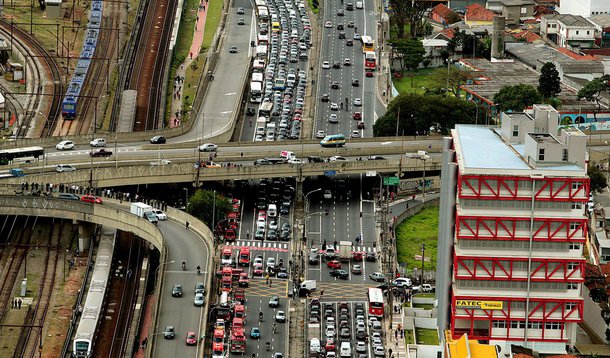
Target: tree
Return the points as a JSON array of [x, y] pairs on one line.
[[481, 44], [202, 203], [451, 78], [516, 98], [416, 113], [413, 52], [598, 179], [549, 84], [593, 90], [404, 12]]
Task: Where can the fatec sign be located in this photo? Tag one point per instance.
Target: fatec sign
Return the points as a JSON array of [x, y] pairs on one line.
[[484, 305]]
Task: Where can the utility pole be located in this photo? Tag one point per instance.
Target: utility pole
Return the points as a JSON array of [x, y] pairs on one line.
[[423, 251]]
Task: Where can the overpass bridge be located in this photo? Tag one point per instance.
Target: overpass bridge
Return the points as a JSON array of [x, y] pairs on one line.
[[144, 173]]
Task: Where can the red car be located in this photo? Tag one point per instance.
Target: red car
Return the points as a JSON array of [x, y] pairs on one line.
[[258, 270], [357, 116], [100, 153], [369, 74], [191, 339], [358, 256], [330, 345], [334, 264], [88, 198]]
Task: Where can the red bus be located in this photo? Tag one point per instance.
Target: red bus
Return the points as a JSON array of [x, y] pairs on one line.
[[244, 256], [227, 283], [370, 61], [226, 258], [219, 335], [239, 311], [375, 298]]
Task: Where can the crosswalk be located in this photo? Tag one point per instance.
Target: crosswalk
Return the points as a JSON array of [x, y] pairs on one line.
[[260, 245]]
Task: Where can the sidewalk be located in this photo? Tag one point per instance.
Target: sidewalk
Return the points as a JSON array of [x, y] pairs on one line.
[[176, 115], [397, 345], [145, 326]]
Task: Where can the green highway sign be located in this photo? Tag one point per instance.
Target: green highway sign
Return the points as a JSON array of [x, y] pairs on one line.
[[390, 181]]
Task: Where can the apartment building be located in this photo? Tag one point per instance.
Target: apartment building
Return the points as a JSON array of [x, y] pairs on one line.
[[584, 8], [568, 31], [512, 231]]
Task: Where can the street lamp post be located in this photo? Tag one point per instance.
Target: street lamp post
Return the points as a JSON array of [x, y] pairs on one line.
[[186, 197], [306, 207]]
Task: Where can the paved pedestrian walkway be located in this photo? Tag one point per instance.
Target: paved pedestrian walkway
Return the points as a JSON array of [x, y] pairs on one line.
[[145, 323], [396, 336], [176, 117]]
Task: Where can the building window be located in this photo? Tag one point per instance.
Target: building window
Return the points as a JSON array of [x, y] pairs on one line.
[[577, 205], [517, 324], [574, 225], [565, 155], [534, 325], [572, 286], [576, 185], [574, 246], [570, 306], [552, 325], [576, 32], [588, 32], [541, 154], [515, 130], [572, 265], [498, 324]]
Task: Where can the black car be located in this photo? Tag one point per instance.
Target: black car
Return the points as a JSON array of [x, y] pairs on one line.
[[341, 35], [370, 256], [315, 159], [272, 235], [69, 196], [355, 83], [284, 209], [100, 153], [340, 13], [262, 162], [285, 235], [334, 85], [340, 27], [250, 111], [336, 64], [158, 139], [325, 98], [340, 274], [349, 42]]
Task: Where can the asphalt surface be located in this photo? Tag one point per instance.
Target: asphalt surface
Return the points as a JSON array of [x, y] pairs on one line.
[[180, 311], [334, 49]]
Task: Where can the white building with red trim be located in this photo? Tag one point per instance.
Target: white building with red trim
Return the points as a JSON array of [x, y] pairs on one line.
[[512, 231]]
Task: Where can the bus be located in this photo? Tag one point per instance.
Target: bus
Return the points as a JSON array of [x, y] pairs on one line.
[[367, 44], [223, 311], [265, 109], [333, 140], [256, 92], [8, 155], [370, 61], [375, 298]]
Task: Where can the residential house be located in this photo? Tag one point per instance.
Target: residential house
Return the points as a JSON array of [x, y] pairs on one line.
[[434, 48], [512, 10], [460, 5], [476, 15], [572, 32], [602, 29], [444, 15], [584, 8]]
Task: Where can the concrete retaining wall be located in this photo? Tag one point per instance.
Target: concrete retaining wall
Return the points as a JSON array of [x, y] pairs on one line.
[[423, 300], [592, 316]]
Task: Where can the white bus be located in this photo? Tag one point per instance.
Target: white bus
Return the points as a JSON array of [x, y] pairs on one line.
[[256, 92], [261, 52], [258, 66], [265, 110]]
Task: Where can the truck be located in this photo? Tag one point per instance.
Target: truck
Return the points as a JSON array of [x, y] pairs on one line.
[[15, 172], [144, 211], [238, 341], [307, 287], [345, 250]]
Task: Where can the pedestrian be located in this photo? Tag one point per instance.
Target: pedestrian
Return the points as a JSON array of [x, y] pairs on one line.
[[197, 19], [13, 304], [19, 303], [396, 334], [321, 292], [267, 278], [270, 281], [248, 235], [187, 224], [191, 53], [144, 342]]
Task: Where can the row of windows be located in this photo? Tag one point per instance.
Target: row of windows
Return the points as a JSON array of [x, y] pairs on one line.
[[520, 305], [522, 184], [525, 224], [520, 245], [519, 204], [517, 285], [530, 325], [517, 265], [600, 12]]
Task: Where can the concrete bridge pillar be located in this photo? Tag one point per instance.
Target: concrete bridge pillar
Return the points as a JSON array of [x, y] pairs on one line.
[[85, 234]]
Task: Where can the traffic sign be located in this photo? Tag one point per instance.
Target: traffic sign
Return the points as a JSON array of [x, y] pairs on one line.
[[330, 173], [371, 173], [390, 181]]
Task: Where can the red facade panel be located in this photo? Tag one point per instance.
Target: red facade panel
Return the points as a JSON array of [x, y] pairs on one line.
[[489, 187], [470, 227], [503, 269]]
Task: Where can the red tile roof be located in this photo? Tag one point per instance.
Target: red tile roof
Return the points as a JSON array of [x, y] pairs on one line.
[[449, 32], [442, 10], [527, 35], [576, 56], [563, 356], [476, 12], [523, 355]]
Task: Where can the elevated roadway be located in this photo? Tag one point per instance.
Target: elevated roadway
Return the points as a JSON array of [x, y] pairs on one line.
[[193, 245]]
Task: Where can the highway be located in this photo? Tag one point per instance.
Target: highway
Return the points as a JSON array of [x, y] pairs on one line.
[[335, 50]]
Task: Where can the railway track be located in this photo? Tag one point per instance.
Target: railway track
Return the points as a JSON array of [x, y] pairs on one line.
[[13, 267], [43, 56], [30, 338], [146, 73]]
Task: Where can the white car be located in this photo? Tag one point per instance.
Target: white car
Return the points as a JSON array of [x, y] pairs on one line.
[[260, 225], [377, 276], [357, 102], [271, 262], [334, 106], [403, 282], [337, 158], [330, 331], [98, 142], [207, 147], [272, 225], [326, 65], [378, 351], [360, 347], [198, 301], [320, 134], [65, 145], [355, 134], [328, 24], [333, 118], [328, 194], [160, 214], [294, 160], [359, 4]]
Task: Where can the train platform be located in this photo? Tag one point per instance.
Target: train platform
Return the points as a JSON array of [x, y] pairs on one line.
[[192, 56]]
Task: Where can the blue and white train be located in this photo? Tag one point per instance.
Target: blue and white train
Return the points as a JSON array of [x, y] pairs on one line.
[[84, 338], [70, 103]]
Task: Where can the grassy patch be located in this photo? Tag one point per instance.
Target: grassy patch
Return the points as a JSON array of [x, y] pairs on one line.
[[409, 337], [414, 231], [426, 306], [421, 78], [426, 295], [426, 336], [315, 10], [211, 23]]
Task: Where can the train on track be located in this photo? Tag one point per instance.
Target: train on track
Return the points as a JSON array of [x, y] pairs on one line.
[[91, 316], [69, 105]]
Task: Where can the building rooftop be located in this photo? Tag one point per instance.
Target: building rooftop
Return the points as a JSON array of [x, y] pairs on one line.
[[569, 20], [481, 148], [476, 12], [442, 10], [517, 2]]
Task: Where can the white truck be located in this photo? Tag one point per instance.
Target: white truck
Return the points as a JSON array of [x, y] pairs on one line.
[[345, 250], [144, 211]]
